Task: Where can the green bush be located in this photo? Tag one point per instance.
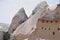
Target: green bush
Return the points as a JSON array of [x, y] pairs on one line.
[[6, 36]]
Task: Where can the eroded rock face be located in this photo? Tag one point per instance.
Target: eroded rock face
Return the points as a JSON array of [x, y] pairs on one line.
[[50, 15], [38, 7], [18, 19], [57, 10], [29, 26], [26, 29], [46, 29]]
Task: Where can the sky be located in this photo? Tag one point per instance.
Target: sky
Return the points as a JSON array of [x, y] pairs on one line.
[[8, 8]]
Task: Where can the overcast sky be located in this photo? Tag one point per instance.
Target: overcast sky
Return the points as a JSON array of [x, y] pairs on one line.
[[8, 8]]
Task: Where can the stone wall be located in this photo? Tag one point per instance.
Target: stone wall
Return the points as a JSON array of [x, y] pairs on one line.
[[48, 29]]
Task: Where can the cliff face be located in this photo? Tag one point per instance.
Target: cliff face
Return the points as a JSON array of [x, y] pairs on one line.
[[26, 28], [22, 27], [18, 19], [57, 10], [52, 14], [48, 27], [38, 7]]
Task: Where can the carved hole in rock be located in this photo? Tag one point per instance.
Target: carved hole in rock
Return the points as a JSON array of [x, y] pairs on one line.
[[56, 21], [42, 21], [51, 21], [13, 30], [45, 28], [49, 28], [58, 29], [41, 27], [47, 21], [53, 33]]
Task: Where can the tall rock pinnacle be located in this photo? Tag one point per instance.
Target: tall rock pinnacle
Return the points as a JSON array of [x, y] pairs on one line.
[[18, 19]]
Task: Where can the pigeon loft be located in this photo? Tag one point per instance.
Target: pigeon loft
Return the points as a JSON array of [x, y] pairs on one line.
[[48, 29]]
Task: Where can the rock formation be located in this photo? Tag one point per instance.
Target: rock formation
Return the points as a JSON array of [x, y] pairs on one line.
[[50, 15], [48, 26], [38, 7], [18, 19], [57, 10], [25, 29]]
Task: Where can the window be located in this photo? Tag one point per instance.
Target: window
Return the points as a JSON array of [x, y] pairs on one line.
[[49, 28], [58, 29], [53, 33], [13, 30], [42, 27], [47, 21], [56, 21], [45, 28], [42, 21], [51, 21]]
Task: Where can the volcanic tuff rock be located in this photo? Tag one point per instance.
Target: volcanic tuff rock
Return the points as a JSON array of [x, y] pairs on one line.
[[26, 28], [44, 23], [38, 7], [18, 19], [57, 10], [52, 14], [49, 15]]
